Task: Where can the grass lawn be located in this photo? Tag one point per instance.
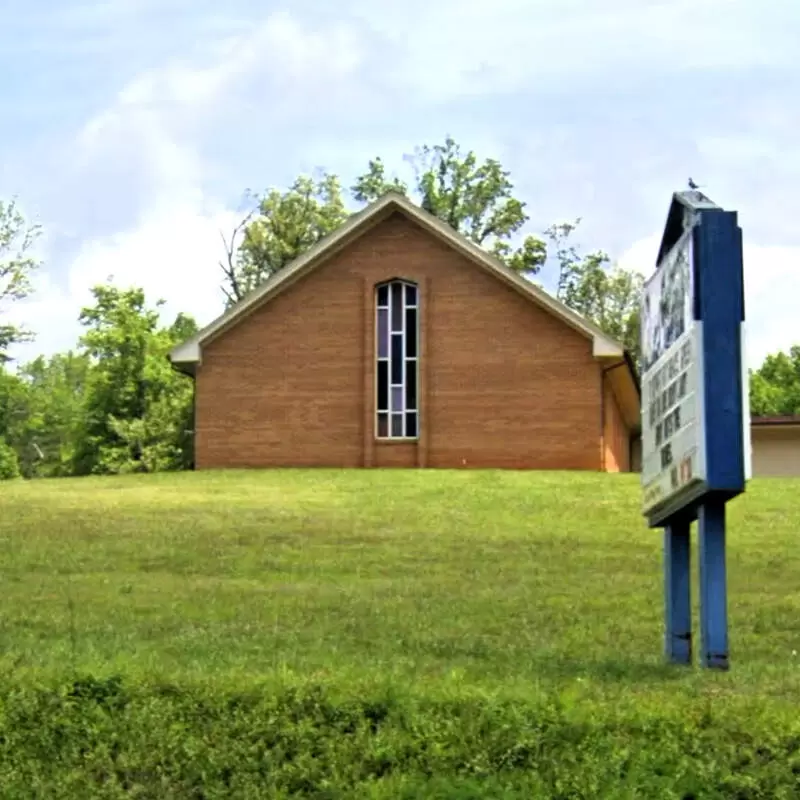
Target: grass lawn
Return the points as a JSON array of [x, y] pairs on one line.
[[435, 584]]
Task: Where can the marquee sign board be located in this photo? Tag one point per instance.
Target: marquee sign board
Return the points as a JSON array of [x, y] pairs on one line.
[[695, 411], [673, 431], [695, 415]]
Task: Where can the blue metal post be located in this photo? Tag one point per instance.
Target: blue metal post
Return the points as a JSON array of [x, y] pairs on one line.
[[677, 593], [713, 585]]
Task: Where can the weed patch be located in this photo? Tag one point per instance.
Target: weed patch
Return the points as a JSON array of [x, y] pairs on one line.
[[105, 738]]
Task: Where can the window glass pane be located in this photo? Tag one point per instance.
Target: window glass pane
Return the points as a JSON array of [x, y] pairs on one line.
[[397, 425], [383, 332], [411, 425], [383, 386], [397, 306], [397, 398], [383, 425], [397, 358], [383, 295], [411, 332], [411, 385], [411, 295]]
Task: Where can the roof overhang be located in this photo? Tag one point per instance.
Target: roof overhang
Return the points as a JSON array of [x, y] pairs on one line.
[[188, 355], [622, 378], [788, 422]]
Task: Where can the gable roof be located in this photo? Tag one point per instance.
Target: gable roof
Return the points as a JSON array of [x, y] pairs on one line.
[[682, 204], [188, 354]]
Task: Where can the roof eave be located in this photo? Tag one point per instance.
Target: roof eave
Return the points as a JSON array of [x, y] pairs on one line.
[[603, 347], [790, 421], [190, 351], [185, 358], [324, 248], [185, 367]]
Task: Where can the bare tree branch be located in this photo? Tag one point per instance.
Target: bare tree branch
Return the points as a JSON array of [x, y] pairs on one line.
[[228, 266]]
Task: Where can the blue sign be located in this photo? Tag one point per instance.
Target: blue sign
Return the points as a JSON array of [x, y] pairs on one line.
[[695, 411], [695, 408]]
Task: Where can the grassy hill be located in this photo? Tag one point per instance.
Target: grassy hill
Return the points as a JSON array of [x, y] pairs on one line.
[[467, 604]]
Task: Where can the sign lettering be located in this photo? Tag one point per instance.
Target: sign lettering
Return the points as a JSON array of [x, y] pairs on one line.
[[673, 445]]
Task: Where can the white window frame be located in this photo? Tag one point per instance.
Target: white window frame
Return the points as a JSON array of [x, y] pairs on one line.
[[408, 362]]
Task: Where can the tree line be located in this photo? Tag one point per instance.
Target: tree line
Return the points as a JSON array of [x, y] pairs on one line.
[[113, 404]]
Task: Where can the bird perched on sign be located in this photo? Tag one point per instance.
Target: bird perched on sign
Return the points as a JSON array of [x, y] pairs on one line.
[[692, 184]]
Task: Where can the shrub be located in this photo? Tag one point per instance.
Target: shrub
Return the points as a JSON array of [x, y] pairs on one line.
[[9, 463], [103, 738]]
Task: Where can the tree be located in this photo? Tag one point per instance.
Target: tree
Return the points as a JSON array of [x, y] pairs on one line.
[[283, 227], [12, 419], [775, 385], [474, 198], [12, 403], [9, 463], [16, 265], [137, 409], [605, 294], [374, 184], [52, 414]]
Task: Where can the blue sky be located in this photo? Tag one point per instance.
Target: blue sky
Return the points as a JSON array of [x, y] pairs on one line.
[[131, 128]]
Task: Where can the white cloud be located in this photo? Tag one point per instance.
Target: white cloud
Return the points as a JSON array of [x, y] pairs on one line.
[[140, 176], [158, 113], [471, 47], [641, 255], [772, 286], [173, 254], [299, 61], [145, 145]]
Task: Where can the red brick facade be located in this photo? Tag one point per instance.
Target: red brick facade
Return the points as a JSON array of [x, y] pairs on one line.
[[502, 382]]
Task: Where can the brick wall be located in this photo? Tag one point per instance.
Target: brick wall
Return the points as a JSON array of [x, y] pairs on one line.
[[616, 439], [502, 382]]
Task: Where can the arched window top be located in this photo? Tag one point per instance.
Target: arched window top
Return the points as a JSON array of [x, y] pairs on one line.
[[397, 291]]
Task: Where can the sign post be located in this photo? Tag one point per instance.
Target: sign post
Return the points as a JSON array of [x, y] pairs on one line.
[[695, 412]]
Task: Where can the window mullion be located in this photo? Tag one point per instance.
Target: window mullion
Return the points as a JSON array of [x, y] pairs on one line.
[[404, 365]]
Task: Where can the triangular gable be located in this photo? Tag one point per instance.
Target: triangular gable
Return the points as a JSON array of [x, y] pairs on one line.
[[682, 203], [187, 355]]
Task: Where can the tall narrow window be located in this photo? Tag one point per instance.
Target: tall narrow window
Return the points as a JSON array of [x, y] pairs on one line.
[[396, 350]]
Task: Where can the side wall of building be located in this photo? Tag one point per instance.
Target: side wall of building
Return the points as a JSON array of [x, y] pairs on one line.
[[616, 436], [776, 450]]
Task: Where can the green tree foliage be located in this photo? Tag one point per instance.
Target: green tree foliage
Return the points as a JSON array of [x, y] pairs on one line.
[[474, 197], [13, 398], [606, 294], [16, 265], [138, 410], [374, 183], [283, 227], [12, 402], [116, 405], [50, 413], [9, 463], [775, 385]]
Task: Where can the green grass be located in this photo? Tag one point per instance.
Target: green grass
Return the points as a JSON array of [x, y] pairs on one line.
[[534, 590]]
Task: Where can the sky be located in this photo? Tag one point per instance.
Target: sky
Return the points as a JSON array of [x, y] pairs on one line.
[[131, 129]]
